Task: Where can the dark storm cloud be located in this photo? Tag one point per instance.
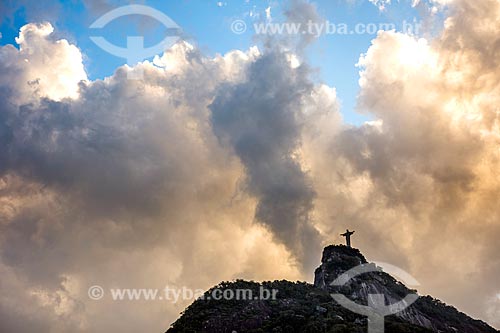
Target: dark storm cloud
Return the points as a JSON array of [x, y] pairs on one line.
[[261, 119]]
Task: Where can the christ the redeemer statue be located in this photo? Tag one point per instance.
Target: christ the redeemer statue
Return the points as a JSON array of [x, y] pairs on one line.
[[347, 236]]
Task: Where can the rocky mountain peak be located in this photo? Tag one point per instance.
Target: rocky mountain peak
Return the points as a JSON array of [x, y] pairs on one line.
[[425, 312], [336, 260], [302, 307]]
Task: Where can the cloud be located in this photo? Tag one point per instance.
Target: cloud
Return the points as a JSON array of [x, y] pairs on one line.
[[381, 4], [268, 13], [421, 184], [42, 67], [435, 5], [261, 120], [302, 12], [118, 183]]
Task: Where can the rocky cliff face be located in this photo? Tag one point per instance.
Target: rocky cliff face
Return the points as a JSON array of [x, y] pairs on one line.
[[302, 307], [426, 311]]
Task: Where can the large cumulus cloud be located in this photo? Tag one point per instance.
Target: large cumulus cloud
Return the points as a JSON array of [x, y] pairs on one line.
[[420, 181], [262, 120], [119, 183]]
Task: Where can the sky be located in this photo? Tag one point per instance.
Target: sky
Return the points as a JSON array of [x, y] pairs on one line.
[[234, 154], [207, 24]]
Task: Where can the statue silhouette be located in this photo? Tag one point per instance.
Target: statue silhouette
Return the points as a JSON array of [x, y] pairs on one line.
[[347, 236]]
